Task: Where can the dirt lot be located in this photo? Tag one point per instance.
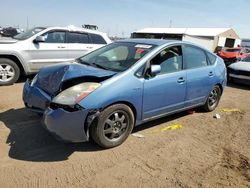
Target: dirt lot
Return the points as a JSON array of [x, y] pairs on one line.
[[205, 152]]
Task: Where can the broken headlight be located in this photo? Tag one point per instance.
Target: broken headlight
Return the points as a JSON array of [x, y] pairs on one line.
[[75, 93]]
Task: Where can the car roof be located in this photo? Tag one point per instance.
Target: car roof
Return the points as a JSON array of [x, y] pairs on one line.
[[161, 42], [157, 42], [74, 28]]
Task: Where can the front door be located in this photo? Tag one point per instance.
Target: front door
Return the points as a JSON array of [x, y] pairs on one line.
[[166, 91], [52, 50]]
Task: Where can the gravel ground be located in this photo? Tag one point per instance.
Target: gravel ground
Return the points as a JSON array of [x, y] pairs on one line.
[[201, 152]]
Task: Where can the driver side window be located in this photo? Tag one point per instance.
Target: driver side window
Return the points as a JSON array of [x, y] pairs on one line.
[[170, 59], [55, 37]]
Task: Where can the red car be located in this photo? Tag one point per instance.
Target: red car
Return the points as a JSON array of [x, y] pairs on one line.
[[231, 55]]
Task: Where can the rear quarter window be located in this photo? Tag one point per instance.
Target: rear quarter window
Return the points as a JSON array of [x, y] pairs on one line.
[[97, 39], [212, 58]]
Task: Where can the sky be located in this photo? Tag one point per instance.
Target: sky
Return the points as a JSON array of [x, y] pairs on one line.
[[121, 17]]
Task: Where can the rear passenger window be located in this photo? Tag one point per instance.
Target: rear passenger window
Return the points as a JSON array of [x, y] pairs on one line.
[[212, 58], [97, 39], [194, 57], [78, 38]]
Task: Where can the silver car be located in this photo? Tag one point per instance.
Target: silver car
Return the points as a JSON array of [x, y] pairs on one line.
[[240, 71], [28, 52]]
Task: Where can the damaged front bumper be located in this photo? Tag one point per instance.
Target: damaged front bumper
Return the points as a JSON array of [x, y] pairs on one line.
[[67, 126], [67, 123], [34, 98]]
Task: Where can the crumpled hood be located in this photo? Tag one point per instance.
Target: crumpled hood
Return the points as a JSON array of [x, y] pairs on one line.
[[7, 40], [50, 78], [243, 66]]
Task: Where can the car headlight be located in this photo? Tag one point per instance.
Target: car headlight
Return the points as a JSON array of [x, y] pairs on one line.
[[34, 80], [75, 93]]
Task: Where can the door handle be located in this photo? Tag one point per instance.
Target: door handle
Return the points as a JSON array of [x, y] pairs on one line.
[[61, 47], [181, 80], [89, 47], [210, 73]]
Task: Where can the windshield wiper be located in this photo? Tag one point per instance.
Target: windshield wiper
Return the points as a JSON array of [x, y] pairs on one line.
[[83, 62], [92, 64], [99, 66]]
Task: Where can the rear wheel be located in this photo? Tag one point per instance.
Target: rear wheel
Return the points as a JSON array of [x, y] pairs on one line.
[[9, 72], [213, 99], [114, 125]]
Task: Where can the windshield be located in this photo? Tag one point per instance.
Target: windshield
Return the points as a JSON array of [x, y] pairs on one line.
[[118, 56], [247, 59], [28, 33], [233, 50]]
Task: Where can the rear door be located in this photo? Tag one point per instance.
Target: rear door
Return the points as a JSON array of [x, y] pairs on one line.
[[166, 91], [52, 50], [97, 40], [78, 44], [200, 75]]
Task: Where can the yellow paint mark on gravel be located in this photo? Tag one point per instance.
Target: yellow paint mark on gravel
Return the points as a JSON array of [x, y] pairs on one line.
[[230, 110], [170, 127]]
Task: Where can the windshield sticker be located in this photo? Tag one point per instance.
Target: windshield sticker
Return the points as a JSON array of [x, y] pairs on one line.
[[140, 51], [143, 46]]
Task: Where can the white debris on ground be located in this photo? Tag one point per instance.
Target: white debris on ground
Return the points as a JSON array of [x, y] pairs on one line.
[[138, 135]]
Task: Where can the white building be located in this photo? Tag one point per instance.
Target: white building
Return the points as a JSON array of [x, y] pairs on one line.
[[210, 38]]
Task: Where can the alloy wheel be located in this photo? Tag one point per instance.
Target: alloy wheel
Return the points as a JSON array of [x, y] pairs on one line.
[[213, 97], [115, 125], [7, 72]]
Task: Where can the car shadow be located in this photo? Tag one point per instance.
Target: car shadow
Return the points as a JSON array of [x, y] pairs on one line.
[[23, 78], [162, 120], [29, 141]]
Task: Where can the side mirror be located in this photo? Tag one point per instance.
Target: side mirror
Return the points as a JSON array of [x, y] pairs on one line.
[[155, 69], [39, 39]]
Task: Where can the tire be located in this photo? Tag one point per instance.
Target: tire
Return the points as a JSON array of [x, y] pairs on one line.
[[212, 99], [9, 72], [113, 126]]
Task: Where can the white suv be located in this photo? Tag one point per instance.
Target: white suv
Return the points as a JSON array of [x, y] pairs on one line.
[[28, 52]]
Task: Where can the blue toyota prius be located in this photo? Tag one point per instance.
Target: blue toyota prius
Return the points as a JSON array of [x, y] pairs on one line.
[[107, 92]]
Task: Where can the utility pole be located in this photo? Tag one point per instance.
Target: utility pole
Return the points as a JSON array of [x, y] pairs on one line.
[[27, 23], [170, 23]]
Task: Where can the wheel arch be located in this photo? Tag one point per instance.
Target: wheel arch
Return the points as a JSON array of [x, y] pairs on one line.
[[16, 60], [92, 116], [129, 104], [220, 85]]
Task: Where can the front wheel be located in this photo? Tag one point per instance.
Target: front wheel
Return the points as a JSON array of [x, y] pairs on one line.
[[113, 126], [213, 99], [9, 72]]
